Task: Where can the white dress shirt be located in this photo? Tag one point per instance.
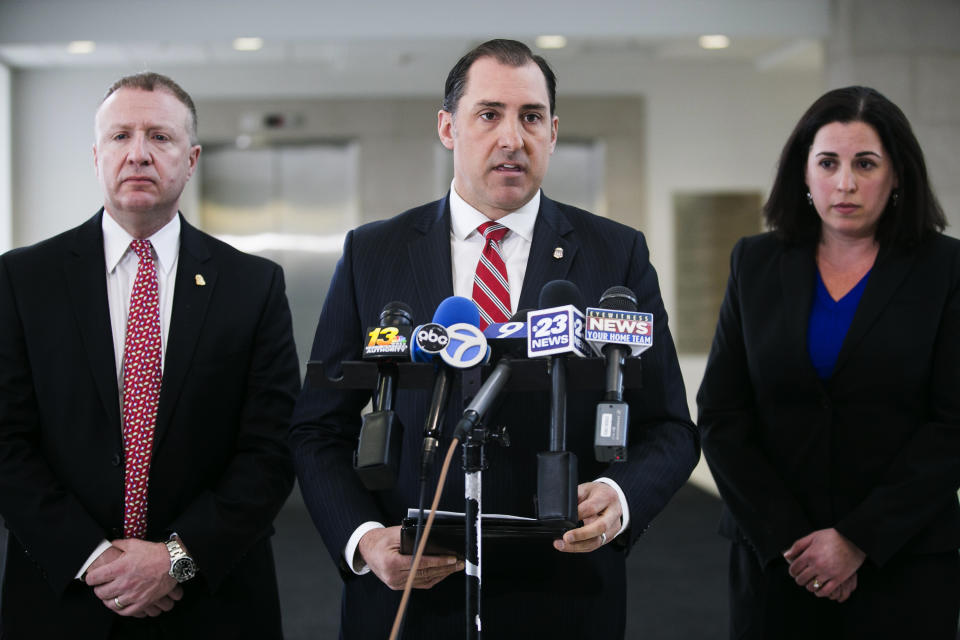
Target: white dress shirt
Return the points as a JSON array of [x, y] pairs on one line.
[[121, 271], [466, 245]]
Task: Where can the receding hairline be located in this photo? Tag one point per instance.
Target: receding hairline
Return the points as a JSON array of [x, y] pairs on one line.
[[492, 102], [189, 124], [505, 52]]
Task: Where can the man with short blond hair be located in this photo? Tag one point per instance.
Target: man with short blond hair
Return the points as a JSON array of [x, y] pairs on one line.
[[147, 373]]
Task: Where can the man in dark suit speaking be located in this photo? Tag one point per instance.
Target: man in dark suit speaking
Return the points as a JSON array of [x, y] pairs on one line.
[[147, 374], [499, 120]]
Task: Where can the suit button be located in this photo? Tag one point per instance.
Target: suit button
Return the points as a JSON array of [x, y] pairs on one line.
[[115, 460]]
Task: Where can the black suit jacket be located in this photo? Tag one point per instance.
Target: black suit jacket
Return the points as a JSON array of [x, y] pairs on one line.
[[220, 469], [873, 451], [408, 258]]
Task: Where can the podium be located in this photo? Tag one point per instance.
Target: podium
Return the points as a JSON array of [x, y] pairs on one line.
[[582, 374]]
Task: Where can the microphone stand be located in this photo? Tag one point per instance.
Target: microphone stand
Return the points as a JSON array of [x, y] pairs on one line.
[[474, 435], [474, 462], [558, 404]]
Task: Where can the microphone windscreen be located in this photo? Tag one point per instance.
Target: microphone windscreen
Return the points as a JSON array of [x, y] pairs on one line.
[[558, 293], [457, 309], [618, 299], [396, 313]]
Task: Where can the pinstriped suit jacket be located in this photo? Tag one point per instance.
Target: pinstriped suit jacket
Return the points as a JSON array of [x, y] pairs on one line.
[[408, 258]]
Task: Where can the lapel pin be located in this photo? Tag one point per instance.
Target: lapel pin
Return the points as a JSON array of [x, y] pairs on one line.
[[199, 280], [558, 253]]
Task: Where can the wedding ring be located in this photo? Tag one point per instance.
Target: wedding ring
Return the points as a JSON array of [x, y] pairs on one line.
[[603, 538], [116, 601], [816, 584]]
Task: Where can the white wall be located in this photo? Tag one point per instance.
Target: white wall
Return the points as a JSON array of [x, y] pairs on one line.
[[715, 130], [54, 185], [6, 153]]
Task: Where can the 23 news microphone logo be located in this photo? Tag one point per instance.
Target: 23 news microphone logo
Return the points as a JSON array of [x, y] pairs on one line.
[[387, 342], [554, 331]]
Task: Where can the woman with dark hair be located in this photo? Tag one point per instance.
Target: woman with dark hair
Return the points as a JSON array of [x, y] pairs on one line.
[[830, 407]]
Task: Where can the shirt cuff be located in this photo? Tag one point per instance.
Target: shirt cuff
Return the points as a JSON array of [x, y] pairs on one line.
[[354, 559], [624, 508], [103, 546]]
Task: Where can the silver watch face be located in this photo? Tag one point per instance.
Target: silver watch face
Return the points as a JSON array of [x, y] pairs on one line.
[[183, 569]]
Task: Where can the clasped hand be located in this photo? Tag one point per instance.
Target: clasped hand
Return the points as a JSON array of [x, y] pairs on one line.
[[825, 563], [132, 578]]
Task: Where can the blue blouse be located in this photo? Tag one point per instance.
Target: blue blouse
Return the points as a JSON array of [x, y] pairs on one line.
[[829, 322]]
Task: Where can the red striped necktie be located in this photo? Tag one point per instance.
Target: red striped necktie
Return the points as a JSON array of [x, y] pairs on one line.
[[141, 389], [491, 291]]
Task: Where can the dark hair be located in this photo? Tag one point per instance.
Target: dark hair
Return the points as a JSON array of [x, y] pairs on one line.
[[906, 220], [150, 81], [509, 52]]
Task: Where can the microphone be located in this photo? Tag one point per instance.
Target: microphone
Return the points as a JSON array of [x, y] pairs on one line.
[[508, 339], [377, 458], [615, 330], [557, 327], [388, 344], [484, 399], [431, 342], [555, 331]]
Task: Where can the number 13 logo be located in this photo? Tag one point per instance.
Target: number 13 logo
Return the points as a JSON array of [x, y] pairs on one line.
[[389, 335]]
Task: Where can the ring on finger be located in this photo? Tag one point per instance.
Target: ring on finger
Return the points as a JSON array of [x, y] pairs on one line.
[[116, 601], [816, 584], [603, 538]]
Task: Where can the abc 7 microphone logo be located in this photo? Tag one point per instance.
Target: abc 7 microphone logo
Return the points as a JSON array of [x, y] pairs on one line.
[[467, 348], [432, 338]]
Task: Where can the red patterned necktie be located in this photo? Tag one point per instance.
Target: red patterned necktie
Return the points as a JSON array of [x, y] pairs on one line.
[[491, 291], [141, 389]]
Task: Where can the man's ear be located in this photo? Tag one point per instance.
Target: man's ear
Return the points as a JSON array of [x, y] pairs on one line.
[[445, 128]]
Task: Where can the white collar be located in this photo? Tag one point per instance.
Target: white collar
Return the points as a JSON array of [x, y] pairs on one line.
[[116, 242], [464, 219]]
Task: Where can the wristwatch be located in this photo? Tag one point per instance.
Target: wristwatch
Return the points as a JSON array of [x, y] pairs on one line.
[[182, 566]]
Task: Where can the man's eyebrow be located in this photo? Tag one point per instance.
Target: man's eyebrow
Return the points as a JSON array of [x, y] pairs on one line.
[[533, 106]]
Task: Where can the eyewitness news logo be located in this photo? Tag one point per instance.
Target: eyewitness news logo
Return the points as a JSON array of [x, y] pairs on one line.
[[609, 326]]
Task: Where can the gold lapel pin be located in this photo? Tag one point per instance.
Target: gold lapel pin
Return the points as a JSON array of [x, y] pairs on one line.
[[199, 280], [558, 253]]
